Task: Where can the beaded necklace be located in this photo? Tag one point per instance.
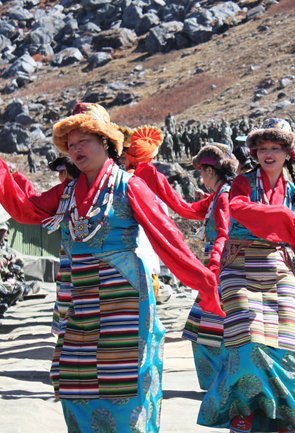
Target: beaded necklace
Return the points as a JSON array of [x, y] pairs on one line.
[[79, 227]]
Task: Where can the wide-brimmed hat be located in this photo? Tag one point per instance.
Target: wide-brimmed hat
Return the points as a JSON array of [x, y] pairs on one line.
[[144, 144], [91, 119], [272, 129]]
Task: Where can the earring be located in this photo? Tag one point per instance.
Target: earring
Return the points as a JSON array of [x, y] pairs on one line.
[[288, 158]]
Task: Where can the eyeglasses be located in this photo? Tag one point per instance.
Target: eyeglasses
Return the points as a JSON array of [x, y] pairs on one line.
[[264, 150]]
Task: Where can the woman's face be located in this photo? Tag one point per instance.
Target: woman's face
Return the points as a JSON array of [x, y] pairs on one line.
[[86, 151], [271, 156], [208, 176]]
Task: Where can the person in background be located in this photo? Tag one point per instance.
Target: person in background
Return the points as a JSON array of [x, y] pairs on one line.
[[253, 390], [107, 364], [64, 167], [217, 169]]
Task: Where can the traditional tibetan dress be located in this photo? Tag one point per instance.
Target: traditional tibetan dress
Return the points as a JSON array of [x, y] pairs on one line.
[[258, 295], [107, 364], [205, 330]]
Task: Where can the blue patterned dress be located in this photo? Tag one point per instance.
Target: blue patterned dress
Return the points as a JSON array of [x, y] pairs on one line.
[[258, 293], [108, 384]]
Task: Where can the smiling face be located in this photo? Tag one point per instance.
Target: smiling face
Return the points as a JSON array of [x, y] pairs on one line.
[[271, 156], [87, 152]]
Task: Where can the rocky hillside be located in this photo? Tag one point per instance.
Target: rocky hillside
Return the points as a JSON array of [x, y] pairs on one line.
[[141, 59]]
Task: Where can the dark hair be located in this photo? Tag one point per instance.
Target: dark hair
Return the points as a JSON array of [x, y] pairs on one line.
[[227, 171], [72, 169], [243, 155], [113, 152]]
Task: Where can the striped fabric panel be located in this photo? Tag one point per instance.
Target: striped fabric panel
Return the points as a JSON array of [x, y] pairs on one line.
[[258, 297], [64, 294], [203, 328], [98, 354], [117, 355]]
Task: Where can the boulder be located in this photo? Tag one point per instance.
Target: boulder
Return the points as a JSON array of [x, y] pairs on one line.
[[14, 138], [114, 38], [25, 63], [162, 38], [99, 59], [66, 57], [197, 33]]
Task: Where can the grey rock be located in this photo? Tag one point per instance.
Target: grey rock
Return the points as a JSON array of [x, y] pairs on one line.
[[255, 12], [19, 14], [99, 59], [90, 27], [196, 32], [13, 109], [31, 3], [162, 38], [5, 43], [68, 56], [132, 14], [14, 138], [285, 82], [173, 11], [146, 22], [115, 38], [22, 78], [107, 15], [10, 87], [24, 119], [123, 98], [282, 105], [225, 10], [7, 29], [24, 64], [94, 4]]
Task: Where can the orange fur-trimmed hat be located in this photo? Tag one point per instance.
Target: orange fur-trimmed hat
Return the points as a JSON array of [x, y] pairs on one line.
[[144, 144], [91, 119]]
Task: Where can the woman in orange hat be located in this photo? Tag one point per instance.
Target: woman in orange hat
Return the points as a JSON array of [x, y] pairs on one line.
[[107, 363], [254, 387]]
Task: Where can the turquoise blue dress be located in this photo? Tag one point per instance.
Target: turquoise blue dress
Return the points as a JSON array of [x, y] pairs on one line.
[[87, 361], [258, 293]]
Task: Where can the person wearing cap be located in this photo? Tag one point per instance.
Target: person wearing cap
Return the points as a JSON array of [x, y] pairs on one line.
[[217, 167], [107, 364], [254, 388]]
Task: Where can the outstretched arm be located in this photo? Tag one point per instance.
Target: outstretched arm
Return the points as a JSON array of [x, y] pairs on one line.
[[274, 223], [160, 186], [21, 203], [168, 242]]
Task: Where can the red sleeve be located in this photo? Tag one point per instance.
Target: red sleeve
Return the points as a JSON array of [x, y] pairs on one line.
[[222, 218], [168, 242], [274, 223], [160, 186], [24, 208], [25, 184]]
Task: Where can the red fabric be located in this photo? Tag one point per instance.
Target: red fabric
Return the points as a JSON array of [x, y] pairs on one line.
[[167, 241], [24, 209], [83, 194], [274, 222], [221, 218], [25, 184], [159, 184], [165, 237]]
